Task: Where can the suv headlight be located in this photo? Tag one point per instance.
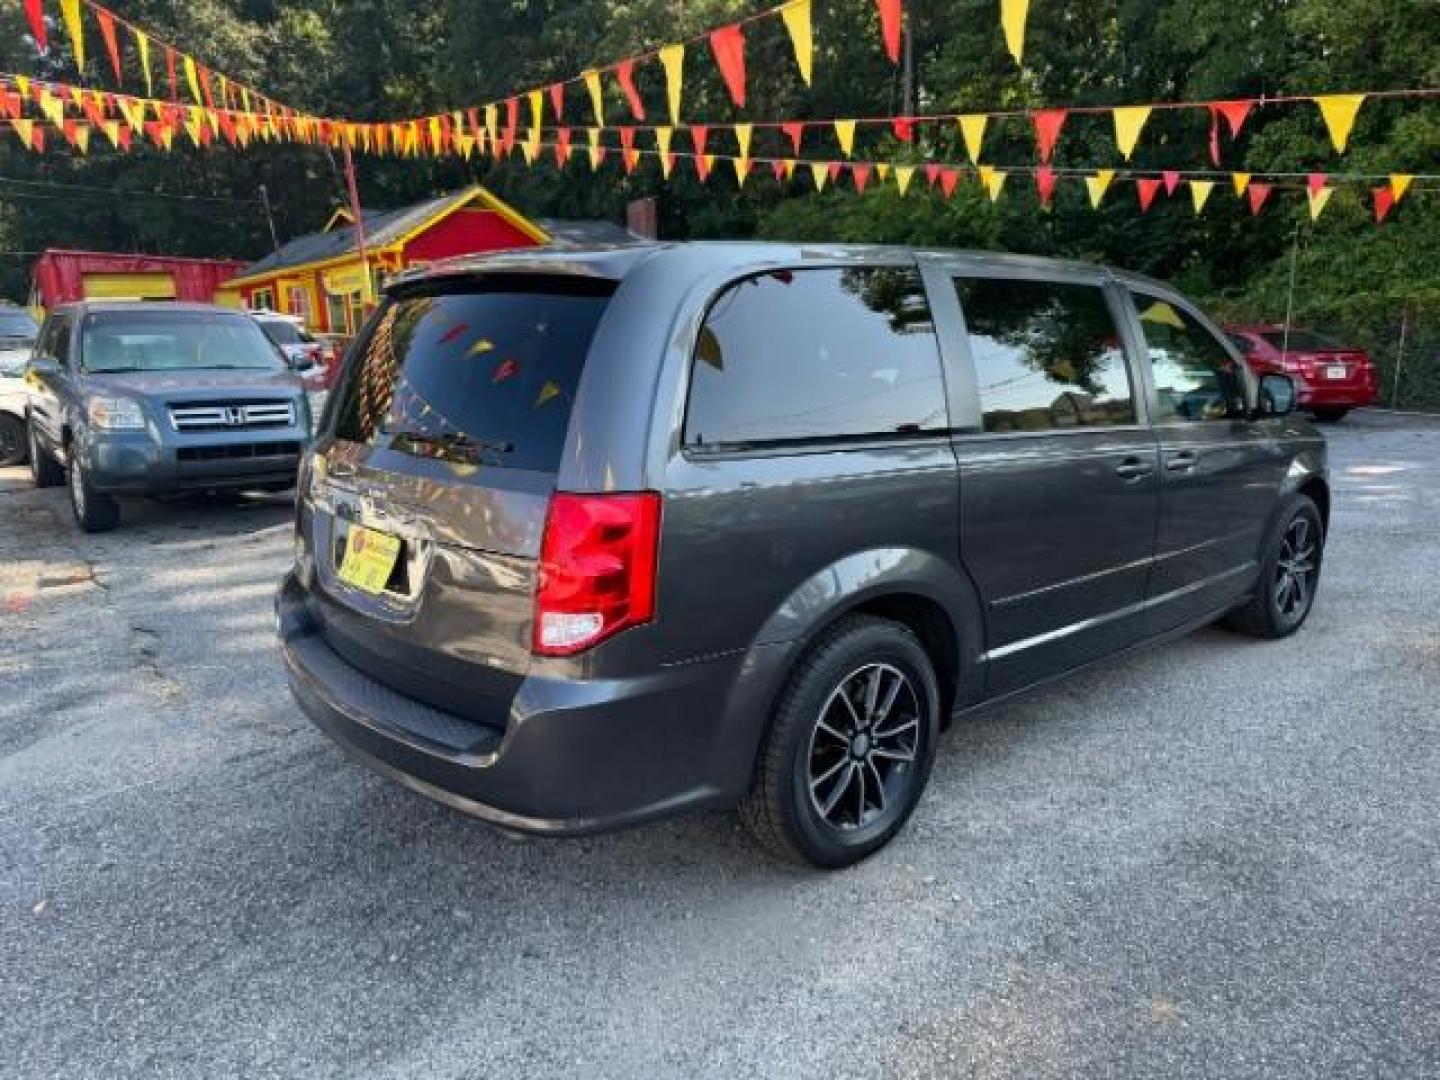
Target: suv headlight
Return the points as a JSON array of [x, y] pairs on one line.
[[116, 414]]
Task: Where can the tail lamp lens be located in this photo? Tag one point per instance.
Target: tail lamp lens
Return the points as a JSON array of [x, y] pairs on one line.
[[597, 569]]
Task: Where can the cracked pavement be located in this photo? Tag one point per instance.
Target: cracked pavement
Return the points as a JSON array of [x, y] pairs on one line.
[[1217, 858]]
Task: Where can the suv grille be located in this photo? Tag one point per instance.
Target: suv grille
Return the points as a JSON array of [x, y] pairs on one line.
[[228, 416]]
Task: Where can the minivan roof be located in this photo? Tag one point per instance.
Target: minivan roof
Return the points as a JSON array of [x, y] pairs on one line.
[[617, 261]]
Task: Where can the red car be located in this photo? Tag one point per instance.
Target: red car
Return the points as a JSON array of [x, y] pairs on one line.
[[1330, 379]]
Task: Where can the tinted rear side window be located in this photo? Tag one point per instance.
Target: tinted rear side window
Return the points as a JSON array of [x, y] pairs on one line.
[[1301, 341], [1047, 355], [813, 354], [483, 377]]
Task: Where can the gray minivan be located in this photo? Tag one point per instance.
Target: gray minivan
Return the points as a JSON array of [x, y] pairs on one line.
[[591, 537]]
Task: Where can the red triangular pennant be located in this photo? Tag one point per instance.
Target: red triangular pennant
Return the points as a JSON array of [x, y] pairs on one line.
[[948, 179], [778, 168], [932, 173], [1384, 203], [1258, 194], [562, 147], [1048, 123], [1045, 184], [728, 45], [625, 72], [890, 28], [904, 129], [796, 131], [1171, 179], [1316, 181], [860, 173], [107, 31], [699, 136], [35, 16], [557, 99], [1146, 187]]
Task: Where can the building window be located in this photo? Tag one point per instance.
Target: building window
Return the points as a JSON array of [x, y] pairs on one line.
[[298, 299], [262, 300]]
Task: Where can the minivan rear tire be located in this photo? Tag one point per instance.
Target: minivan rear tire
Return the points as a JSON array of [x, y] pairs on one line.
[[779, 809], [1265, 614]]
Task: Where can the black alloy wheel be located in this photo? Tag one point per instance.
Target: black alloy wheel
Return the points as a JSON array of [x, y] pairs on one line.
[[849, 747], [1289, 576]]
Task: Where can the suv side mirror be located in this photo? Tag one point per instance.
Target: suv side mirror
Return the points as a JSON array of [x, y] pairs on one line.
[[1277, 395], [43, 366]]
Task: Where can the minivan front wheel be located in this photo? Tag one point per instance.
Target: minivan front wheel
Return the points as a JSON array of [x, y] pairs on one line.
[[849, 748], [1289, 574]]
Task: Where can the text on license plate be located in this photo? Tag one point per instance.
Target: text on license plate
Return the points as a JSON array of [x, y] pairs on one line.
[[369, 559], [1335, 371]]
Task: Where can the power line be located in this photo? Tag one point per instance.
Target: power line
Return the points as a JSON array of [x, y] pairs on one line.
[[129, 193]]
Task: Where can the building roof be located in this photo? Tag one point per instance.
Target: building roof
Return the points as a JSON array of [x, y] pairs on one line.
[[386, 227]]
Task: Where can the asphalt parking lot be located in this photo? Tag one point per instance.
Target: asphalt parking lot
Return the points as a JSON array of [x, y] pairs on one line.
[[1218, 858]]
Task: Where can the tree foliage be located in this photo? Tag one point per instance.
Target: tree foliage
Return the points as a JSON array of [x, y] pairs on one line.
[[374, 59]]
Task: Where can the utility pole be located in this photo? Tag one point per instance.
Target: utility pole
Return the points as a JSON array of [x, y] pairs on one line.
[[907, 91], [1290, 295], [1400, 357], [354, 192], [270, 218]]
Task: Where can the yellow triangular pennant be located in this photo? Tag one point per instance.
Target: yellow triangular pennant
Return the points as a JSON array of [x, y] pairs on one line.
[[192, 80], [26, 130], [672, 59], [1319, 198], [882, 170], [742, 170], [1128, 123], [537, 108], [82, 138], [1339, 111], [1200, 191], [1098, 184], [1012, 18], [663, 138], [492, 124], [596, 152], [70, 11], [973, 129], [994, 181], [845, 132], [903, 175], [743, 134], [112, 132], [797, 20], [597, 96], [143, 44], [1241, 180], [820, 172], [52, 107], [1400, 183]]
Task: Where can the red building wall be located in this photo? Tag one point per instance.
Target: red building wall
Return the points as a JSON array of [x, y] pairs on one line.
[[466, 232], [60, 275]]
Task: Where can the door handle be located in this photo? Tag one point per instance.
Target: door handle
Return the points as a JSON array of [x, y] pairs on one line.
[[1184, 461], [1133, 468]]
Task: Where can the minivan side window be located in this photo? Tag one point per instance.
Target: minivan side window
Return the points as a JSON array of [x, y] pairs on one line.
[[1047, 355], [1195, 377], [60, 340], [816, 354]]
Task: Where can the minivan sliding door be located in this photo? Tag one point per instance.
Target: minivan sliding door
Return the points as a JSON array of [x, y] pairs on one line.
[[1058, 470]]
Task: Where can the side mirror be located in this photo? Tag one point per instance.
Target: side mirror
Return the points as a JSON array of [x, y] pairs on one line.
[[1277, 395], [42, 367]]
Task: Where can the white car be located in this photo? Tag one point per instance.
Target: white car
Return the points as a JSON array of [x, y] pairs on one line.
[[17, 337], [306, 355]]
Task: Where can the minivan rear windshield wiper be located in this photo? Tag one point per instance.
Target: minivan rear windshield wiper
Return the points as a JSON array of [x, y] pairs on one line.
[[456, 444]]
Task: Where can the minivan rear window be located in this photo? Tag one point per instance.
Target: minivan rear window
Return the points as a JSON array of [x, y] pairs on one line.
[[482, 373], [795, 355]]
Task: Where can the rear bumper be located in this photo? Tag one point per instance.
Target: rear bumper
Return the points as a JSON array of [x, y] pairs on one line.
[[1317, 395], [574, 756], [137, 465]]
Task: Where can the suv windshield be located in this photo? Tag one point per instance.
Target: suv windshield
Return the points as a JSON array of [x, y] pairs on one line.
[[152, 340], [483, 376], [282, 332], [17, 326]]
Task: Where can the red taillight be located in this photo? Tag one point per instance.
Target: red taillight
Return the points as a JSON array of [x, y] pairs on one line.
[[597, 569]]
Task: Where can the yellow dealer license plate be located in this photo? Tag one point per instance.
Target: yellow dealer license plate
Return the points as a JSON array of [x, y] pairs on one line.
[[369, 559]]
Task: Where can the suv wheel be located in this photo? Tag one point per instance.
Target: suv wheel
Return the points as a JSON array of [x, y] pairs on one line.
[[44, 469], [94, 512], [13, 433], [849, 747], [1289, 575]]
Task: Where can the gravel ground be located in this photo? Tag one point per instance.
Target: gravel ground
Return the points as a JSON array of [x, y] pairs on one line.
[[1218, 858]]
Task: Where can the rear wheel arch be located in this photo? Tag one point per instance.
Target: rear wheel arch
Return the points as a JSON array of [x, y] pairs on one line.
[[1319, 493]]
